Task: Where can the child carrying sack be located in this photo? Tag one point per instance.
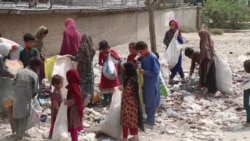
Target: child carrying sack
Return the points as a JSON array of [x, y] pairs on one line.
[[60, 131], [223, 74], [112, 125], [173, 51], [109, 70]]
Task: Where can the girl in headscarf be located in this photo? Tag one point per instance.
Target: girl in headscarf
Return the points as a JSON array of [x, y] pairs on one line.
[[131, 111], [84, 58], [41, 33], [174, 26], [5, 49], [74, 103], [207, 65], [71, 39]]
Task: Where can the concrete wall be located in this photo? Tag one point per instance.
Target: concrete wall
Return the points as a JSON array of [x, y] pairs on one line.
[[116, 28]]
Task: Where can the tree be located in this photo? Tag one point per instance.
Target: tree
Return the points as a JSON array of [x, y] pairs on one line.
[[151, 5]]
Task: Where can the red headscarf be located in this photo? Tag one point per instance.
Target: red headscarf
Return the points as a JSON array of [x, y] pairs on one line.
[[74, 91], [71, 39]]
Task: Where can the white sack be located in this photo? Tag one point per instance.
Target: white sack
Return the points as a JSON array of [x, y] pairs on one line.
[[60, 132], [112, 125], [173, 51], [224, 80], [109, 70], [14, 55], [35, 113]]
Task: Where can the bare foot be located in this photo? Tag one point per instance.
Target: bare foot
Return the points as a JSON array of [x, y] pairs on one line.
[[134, 138]]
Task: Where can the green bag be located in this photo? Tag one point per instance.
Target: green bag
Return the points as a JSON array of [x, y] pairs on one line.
[[163, 90]]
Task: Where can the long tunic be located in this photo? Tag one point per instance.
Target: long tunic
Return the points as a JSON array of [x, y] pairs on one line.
[[25, 56], [105, 82], [25, 86], [151, 93], [129, 107], [55, 97]]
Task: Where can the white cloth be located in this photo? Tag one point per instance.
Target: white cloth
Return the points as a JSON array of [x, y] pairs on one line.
[[5, 49]]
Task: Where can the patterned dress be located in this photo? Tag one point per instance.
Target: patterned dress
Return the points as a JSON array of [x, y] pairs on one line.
[[74, 120], [129, 107], [55, 97]]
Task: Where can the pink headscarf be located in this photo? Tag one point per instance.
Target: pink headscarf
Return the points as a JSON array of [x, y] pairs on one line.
[[71, 39], [176, 25]]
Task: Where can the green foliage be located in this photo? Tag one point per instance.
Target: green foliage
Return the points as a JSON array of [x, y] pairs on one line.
[[216, 31], [231, 14], [185, 29]]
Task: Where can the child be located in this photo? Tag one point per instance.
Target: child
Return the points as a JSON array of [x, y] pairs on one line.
[[56, 100], [194, 56], [150, 68], [25, 88], [246, 88], [107, 86], [131, 112], [133, 53], [174, 27], [74, 103], [28, 52]]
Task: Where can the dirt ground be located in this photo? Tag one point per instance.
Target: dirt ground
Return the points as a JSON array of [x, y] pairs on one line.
[[231, 45]]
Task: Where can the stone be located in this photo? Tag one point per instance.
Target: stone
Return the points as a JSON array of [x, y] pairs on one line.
[[236, 127]]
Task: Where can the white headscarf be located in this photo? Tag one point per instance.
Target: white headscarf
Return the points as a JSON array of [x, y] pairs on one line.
[[5, 49]]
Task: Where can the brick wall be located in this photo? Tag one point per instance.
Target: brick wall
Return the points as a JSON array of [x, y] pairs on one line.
[[116, 28]]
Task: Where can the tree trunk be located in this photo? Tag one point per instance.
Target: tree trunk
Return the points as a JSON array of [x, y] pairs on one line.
[[152, 29], [151, 4]]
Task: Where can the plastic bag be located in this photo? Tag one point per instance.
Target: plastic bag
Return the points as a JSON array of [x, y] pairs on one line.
[[112, 125], [173, 51], [35, 113], [163, 87], [224, 81], [109, 70]]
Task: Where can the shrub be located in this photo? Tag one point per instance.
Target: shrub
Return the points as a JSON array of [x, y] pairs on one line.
[[232, 14], [216, 31], [185, 29]]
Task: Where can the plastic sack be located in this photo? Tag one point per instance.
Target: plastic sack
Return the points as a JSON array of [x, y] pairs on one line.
[[35, 113], [112, 125], [163, 87], [224, 81], [49, 66], [60, 131], [173, 51], [141, 83], [14, 55], [109, 70], [6, 87]]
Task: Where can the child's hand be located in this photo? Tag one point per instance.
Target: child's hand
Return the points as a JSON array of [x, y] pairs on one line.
[[141, 71], [65, 102], [70, 56]]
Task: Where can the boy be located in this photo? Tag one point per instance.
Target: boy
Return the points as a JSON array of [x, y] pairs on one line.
[[133, 53], [29, 51], [25, 88], [150, 68], [246, 88], [194, 56]]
